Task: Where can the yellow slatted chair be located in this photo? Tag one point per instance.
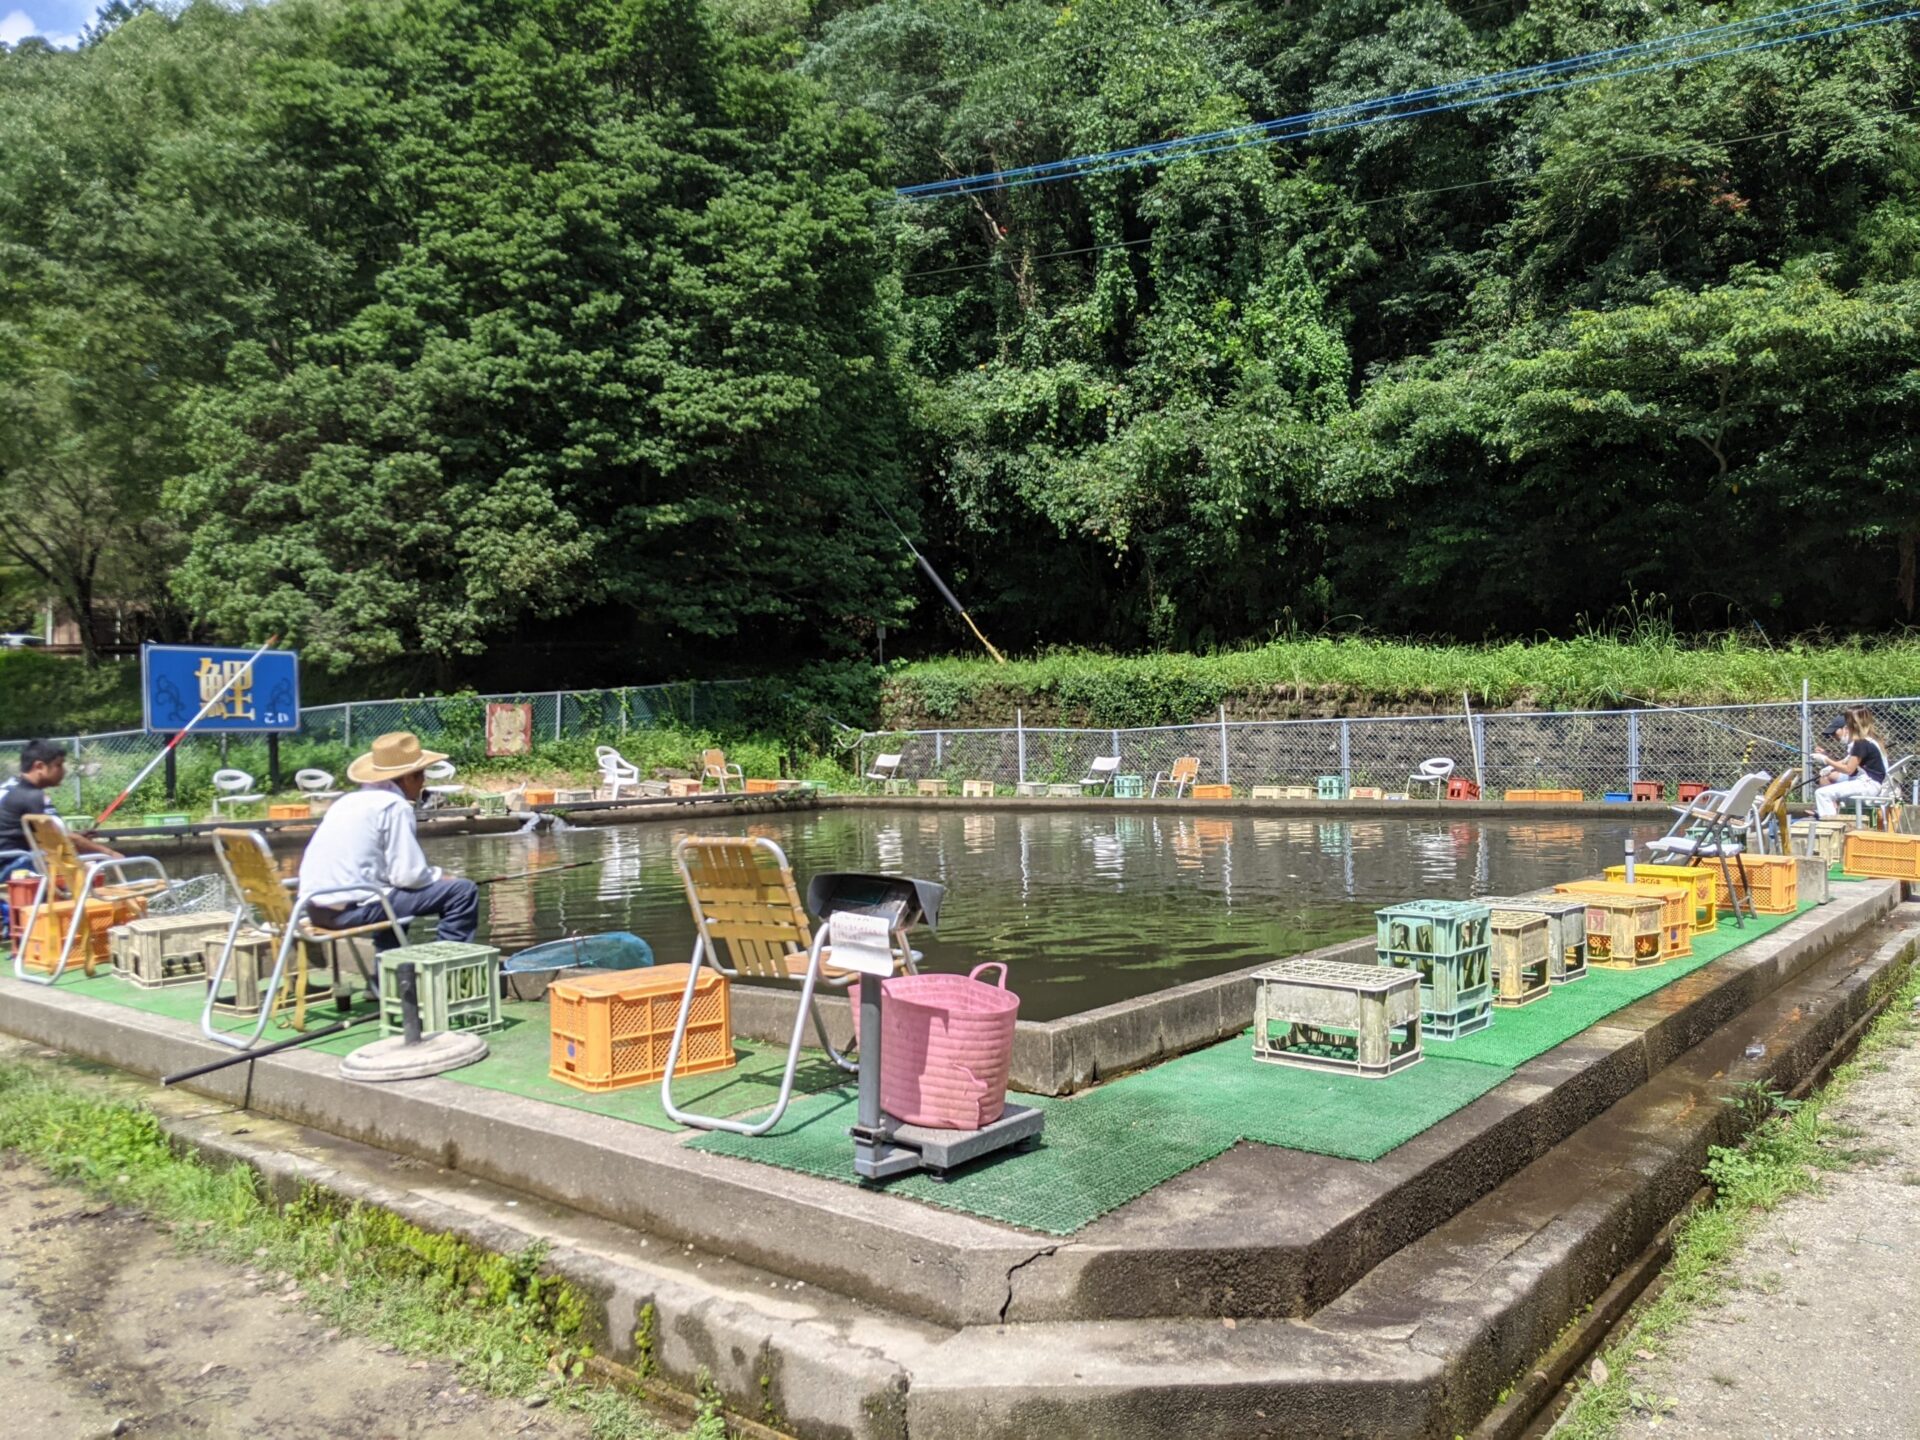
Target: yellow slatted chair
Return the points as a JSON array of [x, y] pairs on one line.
[[749, 923], [264, 898], [714, 766], [1181, 777], [63, 868]]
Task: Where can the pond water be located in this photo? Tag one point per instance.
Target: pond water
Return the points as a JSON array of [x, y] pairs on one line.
[[1085, 907]]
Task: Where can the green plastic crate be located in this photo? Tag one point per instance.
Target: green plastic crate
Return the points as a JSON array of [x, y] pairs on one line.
[[153, 822], [1447, 942], [458, 986], [1331, 787], [1130, 787]]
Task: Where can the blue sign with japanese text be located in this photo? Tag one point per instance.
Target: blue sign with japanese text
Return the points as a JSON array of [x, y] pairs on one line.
[[177, 680]]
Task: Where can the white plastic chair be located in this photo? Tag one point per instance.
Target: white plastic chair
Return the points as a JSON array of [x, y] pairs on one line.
[[231, 788], [1101, 772], [616, 770], [1436, 772], [315, 784], [442, 771]]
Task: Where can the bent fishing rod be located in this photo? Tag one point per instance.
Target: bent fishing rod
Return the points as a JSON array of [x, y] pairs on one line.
[[1719, 725]]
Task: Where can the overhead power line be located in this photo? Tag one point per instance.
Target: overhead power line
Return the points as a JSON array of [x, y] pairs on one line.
[[1612, 64], [1367, 201]]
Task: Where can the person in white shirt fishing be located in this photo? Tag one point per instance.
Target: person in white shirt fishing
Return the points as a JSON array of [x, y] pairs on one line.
[[367, 846]]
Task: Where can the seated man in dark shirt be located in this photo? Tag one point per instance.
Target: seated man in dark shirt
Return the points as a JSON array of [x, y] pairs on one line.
[[43, 765]]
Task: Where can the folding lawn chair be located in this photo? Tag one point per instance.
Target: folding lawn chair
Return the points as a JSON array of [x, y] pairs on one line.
[[63, 867], [265, 900], [1714, 825], [749, 922], [1101, 773], [1185, 771], [715, 766]]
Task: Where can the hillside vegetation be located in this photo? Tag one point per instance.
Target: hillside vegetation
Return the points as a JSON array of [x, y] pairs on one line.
[[1290, 679], [410, 329]]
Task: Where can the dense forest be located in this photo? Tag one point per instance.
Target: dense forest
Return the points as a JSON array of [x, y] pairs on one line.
[[424, 328]]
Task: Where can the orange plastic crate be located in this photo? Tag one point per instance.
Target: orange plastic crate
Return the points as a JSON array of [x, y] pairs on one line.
[[40, 951], [302, 811], [1676, 908], [1212, 792], [762, 787], [611, 1031], [1881, 856], [537, 797], [1549, 796], [1775, 880]]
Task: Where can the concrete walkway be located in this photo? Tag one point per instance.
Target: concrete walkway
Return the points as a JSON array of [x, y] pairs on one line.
[[1820, 1332]]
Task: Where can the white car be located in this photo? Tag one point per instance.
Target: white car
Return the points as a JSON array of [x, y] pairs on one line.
[[16, 640]]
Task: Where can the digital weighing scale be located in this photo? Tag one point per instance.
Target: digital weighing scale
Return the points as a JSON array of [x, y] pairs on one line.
[[863, 915]]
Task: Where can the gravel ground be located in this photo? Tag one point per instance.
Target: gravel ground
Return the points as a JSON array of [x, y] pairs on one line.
[[1820, 1333], [107, 1330]]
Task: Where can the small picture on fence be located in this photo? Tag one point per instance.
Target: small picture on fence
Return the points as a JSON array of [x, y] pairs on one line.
[[509, 729]]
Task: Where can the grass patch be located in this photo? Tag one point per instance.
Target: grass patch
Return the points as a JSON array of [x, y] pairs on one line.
[[1784, 1155], [507, 1328], [1594, 671]]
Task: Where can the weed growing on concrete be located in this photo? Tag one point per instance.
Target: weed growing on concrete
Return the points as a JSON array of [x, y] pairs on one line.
[[509, 1329], [1783, 1155]]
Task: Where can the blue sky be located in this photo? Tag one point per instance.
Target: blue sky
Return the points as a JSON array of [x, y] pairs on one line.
[[58, 20]]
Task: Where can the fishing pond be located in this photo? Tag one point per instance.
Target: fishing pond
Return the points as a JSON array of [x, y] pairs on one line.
[[1086, 907]]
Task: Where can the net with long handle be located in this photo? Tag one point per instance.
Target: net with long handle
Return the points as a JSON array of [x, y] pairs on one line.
[[193, 896]]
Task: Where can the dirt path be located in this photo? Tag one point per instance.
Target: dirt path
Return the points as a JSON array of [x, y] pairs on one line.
[[1820, 1332], [106, 1329]]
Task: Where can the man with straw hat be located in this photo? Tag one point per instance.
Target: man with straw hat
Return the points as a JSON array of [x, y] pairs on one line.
[[367, 845]]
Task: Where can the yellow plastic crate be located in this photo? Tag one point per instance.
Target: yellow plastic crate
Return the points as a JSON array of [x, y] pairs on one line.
[[1623, 933], [1880, 855], [1676, 908], [1775, 882], [613, 1030], [1706, 913]]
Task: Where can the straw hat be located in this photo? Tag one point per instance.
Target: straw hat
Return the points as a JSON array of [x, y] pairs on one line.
[[393, 755]]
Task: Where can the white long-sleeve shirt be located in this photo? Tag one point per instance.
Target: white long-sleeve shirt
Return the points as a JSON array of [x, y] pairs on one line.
[[366, 844]]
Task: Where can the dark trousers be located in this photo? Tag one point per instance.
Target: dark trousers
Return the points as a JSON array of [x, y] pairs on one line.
[[456, 902]]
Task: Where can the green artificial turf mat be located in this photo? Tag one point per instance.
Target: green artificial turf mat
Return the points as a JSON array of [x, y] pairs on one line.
[[1517, 1035], [1115, 1143], [517, 1058]]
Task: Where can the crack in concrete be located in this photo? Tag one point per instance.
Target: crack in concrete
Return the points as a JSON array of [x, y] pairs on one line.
[[1007, 1304]]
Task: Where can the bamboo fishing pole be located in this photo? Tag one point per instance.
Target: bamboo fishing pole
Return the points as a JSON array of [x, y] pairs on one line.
[[205, 710]]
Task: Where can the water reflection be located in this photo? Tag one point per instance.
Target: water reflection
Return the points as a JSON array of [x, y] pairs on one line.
[[1086, 907]]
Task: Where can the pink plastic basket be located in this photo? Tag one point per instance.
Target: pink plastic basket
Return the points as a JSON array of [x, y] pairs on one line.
[[946, 1047]]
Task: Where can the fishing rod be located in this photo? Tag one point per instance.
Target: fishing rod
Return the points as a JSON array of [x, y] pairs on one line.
[[1718, 725], [205, 710], [266, 1050], [541, 870]]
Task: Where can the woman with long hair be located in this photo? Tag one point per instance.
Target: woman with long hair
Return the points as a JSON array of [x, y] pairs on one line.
[[1861, 769]]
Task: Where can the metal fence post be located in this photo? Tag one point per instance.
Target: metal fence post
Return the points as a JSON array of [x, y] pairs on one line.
[[1480, 755], [1633, 749], [1020, 745], [557, 708], [79, 802], [1116, 742], [1223, 746], [349, 724], [939, 748], [1346, 757], [1806, 731]]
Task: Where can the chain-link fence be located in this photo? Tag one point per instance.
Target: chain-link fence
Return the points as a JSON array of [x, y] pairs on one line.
[[1596, 752], [566, 726]]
